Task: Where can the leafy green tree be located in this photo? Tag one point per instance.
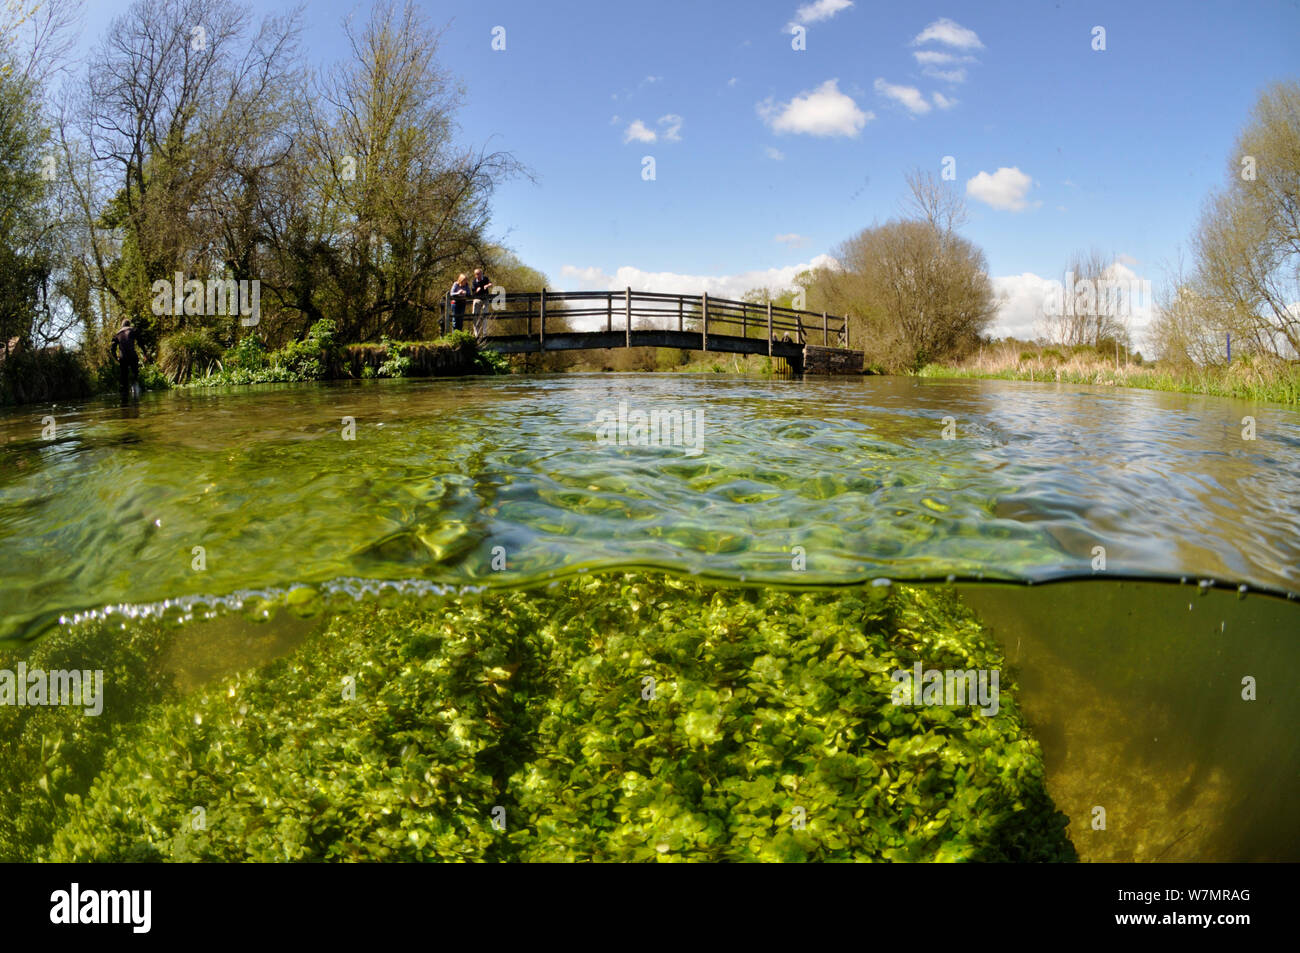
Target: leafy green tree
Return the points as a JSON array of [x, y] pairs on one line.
[[25, 261]]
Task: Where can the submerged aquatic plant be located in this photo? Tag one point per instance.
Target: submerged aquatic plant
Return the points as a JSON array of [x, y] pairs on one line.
[[619, 717]]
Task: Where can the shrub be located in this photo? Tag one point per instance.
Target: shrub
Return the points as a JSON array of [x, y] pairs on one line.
[[397, 363], [182, 353], [491, 362], [28, 376], [249, 354]]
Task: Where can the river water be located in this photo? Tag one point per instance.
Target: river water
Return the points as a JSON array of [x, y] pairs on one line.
[[1136, 555]]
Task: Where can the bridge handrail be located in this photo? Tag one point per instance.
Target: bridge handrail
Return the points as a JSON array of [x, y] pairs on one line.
[[623, 305]]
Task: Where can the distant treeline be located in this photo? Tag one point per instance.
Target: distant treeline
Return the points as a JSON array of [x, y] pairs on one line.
[[917, 293]]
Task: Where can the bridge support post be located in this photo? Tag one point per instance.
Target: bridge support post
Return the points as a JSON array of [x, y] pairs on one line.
[[769, 328], [541, 327], [704, 325], [627, 306], [609, 312], [826, 341], [679, 313]]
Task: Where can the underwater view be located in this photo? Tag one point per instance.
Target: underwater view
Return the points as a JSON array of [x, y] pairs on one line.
[[867, 619]]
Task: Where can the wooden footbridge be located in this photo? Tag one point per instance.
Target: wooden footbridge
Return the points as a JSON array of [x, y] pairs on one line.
[[535, 321]]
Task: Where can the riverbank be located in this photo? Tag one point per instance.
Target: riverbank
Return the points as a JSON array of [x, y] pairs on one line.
[[28, 377], [1244, 378]]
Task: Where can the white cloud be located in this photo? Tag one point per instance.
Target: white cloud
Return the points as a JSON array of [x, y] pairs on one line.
[[949, 33], [942, 101], [792, 239], [585, 276], [908, 96], [931, 62], [1119, 270], [772, 153], [732, 81], [674, 124], [823, 112], [639, 132], [1004, 189], [947, 75], [724, 286], [820, 10], [937, 58], [1020, 305]]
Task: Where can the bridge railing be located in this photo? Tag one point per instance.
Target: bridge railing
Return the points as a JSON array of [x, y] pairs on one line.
[[526, 313]]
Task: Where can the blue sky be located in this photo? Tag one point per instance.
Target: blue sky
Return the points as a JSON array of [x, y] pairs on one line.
[[767, 156]]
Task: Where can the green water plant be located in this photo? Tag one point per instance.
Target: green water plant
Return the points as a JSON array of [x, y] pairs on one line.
[[612, 717]]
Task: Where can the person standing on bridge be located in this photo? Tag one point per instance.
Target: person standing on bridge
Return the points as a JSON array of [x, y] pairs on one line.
[[479, 289], [459, 294]]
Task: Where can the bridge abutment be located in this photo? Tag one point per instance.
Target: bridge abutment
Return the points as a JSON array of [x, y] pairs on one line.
[[831, 360]]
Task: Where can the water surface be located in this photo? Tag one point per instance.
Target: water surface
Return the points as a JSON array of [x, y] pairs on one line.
[[856, 472]]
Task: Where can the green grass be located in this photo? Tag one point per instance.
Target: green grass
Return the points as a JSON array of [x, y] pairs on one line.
[[1241, 380]]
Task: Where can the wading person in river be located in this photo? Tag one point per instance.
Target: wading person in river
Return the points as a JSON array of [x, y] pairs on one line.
[[459, 294], [122, 350]]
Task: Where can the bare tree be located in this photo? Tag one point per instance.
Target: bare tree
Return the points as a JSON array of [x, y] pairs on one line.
[[1095, 304], [913, 288], [1247, 245], [917, 293], [42, 38], [933, 202]]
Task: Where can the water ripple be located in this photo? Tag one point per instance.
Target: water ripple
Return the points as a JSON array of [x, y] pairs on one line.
[[502, 481]]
